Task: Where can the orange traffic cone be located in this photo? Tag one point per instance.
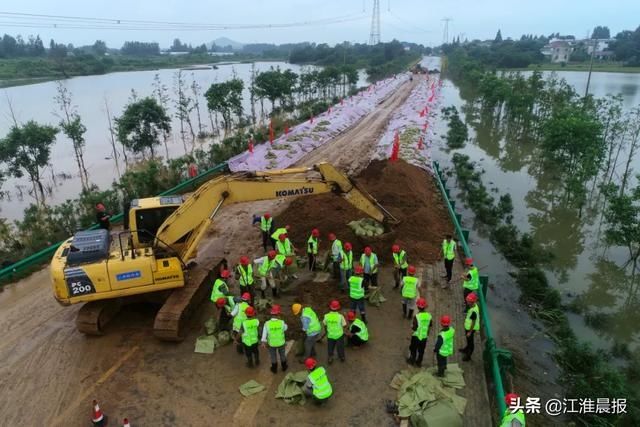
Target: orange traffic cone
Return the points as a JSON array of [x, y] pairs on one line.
[[125, 423], [99, 418]]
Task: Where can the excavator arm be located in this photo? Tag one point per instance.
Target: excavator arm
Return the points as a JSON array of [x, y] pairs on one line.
[[194, 217]]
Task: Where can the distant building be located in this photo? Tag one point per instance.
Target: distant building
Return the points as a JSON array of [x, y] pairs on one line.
[[558, 50]]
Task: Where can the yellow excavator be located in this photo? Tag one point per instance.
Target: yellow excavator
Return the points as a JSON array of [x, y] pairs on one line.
[[152, 259]]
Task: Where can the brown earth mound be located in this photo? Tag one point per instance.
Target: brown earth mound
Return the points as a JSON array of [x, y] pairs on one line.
[[408, 192]]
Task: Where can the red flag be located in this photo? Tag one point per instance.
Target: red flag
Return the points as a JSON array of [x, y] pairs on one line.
[[424, 127], [431, 98], [311, 119], [420, 143], [286, 129], [342, 101], [422, 113], [329, 109], [250, 145], [394, 152]]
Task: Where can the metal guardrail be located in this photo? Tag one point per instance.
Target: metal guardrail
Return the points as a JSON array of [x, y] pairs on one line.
[[492, 354], [40, 256]]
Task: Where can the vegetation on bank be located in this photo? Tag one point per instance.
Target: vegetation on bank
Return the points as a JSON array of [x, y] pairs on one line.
[[606, 67]]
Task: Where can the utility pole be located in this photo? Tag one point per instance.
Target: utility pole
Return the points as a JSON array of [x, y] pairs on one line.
[[445, 34], [374, 36], [593, 53]]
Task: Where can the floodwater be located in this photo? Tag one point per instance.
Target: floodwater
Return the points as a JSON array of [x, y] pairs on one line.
[[584, 270], [89, 93]]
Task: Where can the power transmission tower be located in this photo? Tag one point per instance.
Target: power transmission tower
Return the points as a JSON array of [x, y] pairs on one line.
[[374, 37], [445, 34]]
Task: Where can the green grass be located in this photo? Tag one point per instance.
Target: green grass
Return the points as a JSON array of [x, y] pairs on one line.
[[581, 66]]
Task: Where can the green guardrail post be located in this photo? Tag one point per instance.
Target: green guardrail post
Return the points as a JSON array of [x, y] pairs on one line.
[[452, 203], [447, 192], [459, 217], [465, 233], [484, 282]]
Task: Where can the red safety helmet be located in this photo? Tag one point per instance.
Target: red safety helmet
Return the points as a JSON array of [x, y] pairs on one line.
[[511, 399], [288, 227], [271, 254], [225, 273], [395, 249], [310, 363], [471, 298], [411, 269], [347, 246], [244, 260], [358, 269], [332, 236], [246, 296], [220, 302], [250, 311], [282, 237], [275, 309], [421, 303], [367, 250], [334, 305], [267, 215], [351, 316], [288, 261], [468, 261], [445, 320], [315, 232]]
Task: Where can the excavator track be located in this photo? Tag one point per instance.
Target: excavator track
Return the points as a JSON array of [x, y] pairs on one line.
[[93, 316], [172, 320]]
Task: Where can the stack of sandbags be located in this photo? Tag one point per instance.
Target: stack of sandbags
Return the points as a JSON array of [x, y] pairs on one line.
[[366, 227]]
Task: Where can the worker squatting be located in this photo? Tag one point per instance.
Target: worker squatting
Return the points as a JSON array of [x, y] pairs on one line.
[[356, 278]]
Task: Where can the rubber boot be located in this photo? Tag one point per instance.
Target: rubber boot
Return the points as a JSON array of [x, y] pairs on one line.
[[250, 363], [404, 310], [257, 359], [285, 366], [239, 349], [274, 292], [410, 316], [364, 317], [274, 367]]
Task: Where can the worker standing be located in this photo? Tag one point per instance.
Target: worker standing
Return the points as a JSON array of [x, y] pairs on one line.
[[444, 344], [102, 217], [410, 285], [311, 327], [356, 293], [225, 307], [312, 248], [266, 228], [448, 254], [239, 315], [282, 269], [317, 384], [220, 287], [273, 336], [275, 236], [369, 262], [469, 286], [334, 329], [421, 327], [471, 325], [346, 265], [249, 333], [284, 245], [265, 271], [513, 417], [336, 250], [400, 264], [358, 332], [473, 271], [244, 273]]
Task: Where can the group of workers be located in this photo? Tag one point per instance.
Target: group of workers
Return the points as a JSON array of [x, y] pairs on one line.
[[354, 279]]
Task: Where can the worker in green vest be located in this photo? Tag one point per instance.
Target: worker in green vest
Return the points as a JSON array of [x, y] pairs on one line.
[[239, 316], [273, 337], [473, 271], [448, 254], [357, 331], [266, 228], [284, 245], [282, 269], [356, 293], [400, 264], [334, 330], [336, 250], [410, 285], [471, 325], [346, 265], [369, 262], [421, 327], [244, 274], [469, 286], [266, 272], [225, 307], [220, 287], [312, 248], [310, 326], [275, 236], [317, 385], [249, 333], [514, 414], [444, 344]]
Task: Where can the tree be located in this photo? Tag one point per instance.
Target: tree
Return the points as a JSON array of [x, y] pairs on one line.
[[226, 99], [498, 38], [72, 127], [161, 92], [26, 150], [601, 32], [184, 107], [140, 48], [99, 48], [141, 124]]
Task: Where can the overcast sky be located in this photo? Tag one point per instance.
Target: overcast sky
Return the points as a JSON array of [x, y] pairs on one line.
[[411, 20]]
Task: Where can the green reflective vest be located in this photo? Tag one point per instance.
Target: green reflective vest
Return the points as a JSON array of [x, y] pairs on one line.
[[312, 245], [400, 259], [356, 290], [320, 382], [314, 323], [364, 332], [277, 233], [373, 261], [424, 320], [470, 284], [475, 276], [246, 275], [285, 247], [267, 265], [250, 331], [220, 290], [347, 260], [265, 224], [467, 321], [279, 261], [275, 337], [333, 320], [230, 304], [336, 250], [240, 316], [409, 287], [446, 349], [509, 416], [449, 249]]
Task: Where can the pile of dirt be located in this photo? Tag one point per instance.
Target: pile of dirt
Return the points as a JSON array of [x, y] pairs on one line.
[[406, 191]]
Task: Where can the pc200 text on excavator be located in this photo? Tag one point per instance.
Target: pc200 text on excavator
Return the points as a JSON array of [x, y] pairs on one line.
[[150, 260]]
